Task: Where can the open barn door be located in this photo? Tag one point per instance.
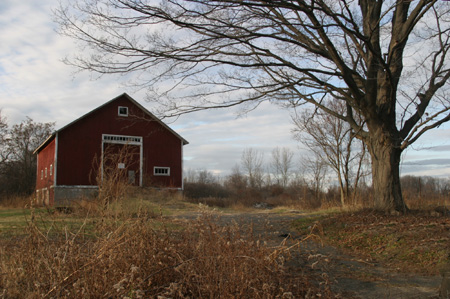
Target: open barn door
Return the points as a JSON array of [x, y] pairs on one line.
[[122, 159]]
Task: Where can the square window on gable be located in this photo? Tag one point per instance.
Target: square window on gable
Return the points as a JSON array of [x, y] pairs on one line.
[[123, 111]]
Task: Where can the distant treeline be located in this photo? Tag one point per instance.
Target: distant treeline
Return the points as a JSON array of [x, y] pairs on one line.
[[235, 189], [17, 161]]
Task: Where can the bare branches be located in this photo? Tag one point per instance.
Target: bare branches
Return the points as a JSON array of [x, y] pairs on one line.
[[252, 162], [371, 56], [196, 55], [5, 151], [439, 73], [334, 143], [17, 160], [282, 164], [219, 35]]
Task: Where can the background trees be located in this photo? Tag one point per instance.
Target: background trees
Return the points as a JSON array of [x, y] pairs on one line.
[[18, 163], [252, 164], [282, 164], [334, 143], [311, 184], [4, 138], [315, 171], [195, 55]]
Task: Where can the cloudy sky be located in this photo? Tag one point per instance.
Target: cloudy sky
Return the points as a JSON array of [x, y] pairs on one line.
[[35, 83]]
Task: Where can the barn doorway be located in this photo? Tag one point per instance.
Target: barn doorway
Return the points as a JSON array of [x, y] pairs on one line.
[[122, 159]]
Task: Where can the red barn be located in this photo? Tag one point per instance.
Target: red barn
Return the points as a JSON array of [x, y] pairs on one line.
[[72, 161]]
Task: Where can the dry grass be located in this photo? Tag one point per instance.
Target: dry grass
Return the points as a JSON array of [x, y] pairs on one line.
[[16, 201], [143, 256], [413, 243], [121, 246], [427, 204]]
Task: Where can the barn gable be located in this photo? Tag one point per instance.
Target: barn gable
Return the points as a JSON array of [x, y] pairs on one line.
[[77, 160]]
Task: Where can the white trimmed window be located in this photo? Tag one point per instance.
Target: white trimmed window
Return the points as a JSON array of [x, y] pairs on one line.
[[161, 171], [119, 139], [123, 111], [45, 172], [51, 169], [42, 174]]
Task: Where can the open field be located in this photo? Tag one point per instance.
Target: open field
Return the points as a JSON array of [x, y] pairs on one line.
[[137, 252], [164, 246], [415, 243]]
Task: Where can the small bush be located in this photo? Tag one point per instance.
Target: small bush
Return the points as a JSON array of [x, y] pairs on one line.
[[203, 190]]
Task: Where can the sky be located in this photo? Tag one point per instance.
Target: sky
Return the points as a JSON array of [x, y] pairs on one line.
[[34, 82]]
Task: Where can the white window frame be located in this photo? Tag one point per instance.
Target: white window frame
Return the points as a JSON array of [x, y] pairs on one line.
[[166, 171], [121, 139], [122, 114]]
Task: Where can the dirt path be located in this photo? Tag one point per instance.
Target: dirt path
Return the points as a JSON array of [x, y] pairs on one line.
[[347, 276]]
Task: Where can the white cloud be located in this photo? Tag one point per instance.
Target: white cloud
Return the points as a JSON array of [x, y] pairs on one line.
[[34, 81], [218, 145]]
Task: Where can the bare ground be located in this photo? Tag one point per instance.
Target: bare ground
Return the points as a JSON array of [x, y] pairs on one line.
[[345, 275]]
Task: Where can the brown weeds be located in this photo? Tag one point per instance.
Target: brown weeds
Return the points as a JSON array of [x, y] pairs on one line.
[[16, 201], [417, 242], [142, 257]]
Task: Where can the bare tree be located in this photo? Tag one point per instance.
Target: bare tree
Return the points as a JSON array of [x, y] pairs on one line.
[[190, 176], [201, 176], [4, 139], [282, 163], [252, 163], [206, 177], [236, 181], [385, 60], [315, 168], [20, 169], [335, 143]]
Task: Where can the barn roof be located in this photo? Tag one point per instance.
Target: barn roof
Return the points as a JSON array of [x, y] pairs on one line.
[[52, 136]]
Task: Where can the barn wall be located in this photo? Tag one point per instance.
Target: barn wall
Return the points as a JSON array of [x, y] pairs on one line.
[[45, 174], [79, 145], [163, 151]]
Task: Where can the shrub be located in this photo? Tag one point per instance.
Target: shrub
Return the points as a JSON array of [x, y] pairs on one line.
[[204, 190]]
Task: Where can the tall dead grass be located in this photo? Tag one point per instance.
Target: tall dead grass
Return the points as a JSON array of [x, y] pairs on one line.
[[112, 174], [144, 257], [427, 203], [16, 201]]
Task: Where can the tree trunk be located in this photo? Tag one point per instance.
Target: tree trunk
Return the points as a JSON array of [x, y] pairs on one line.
[[341, 188], [385, 155]]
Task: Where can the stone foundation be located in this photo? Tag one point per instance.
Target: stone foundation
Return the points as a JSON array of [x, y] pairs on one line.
[[65, 195]]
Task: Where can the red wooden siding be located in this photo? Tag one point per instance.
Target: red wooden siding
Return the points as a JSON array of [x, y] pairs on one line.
[[81, 142], [46, 161], [45, 176]]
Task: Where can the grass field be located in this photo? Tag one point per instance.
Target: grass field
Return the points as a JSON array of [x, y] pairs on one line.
[[127, 250], [131, 249], [414, 243]]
